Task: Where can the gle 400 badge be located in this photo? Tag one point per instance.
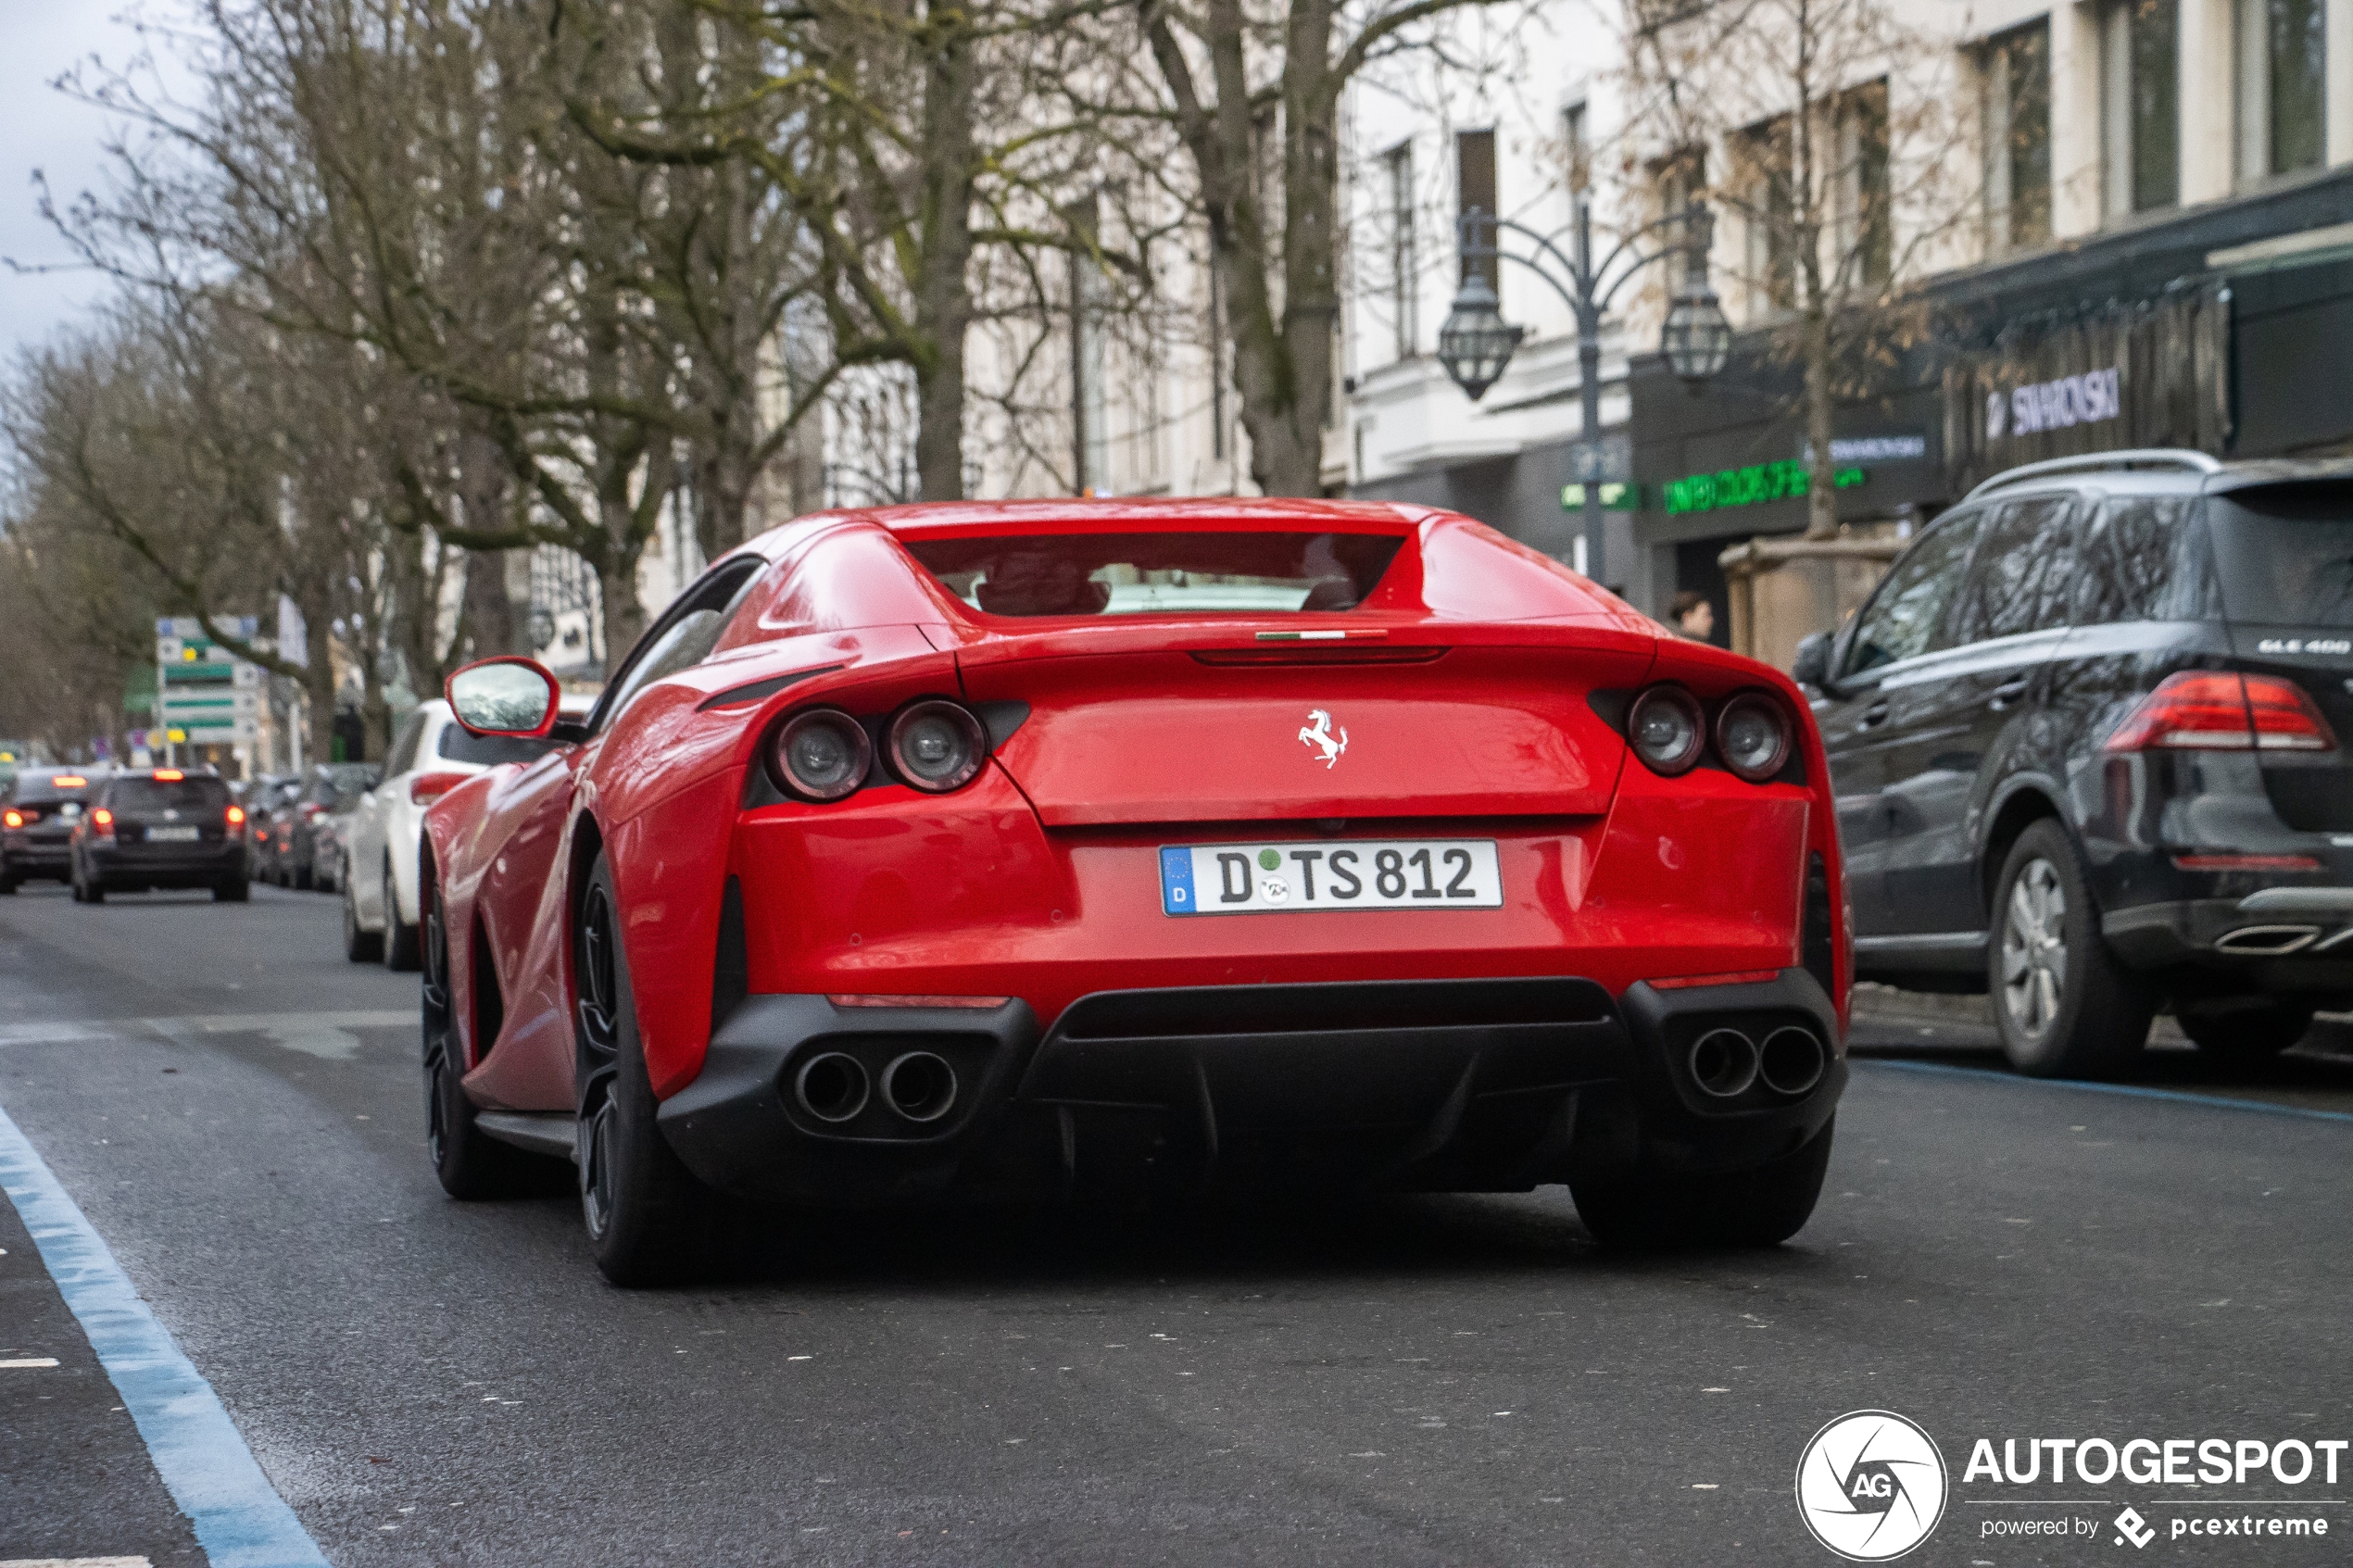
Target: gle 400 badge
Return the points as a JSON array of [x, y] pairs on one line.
[[1871, 1485]]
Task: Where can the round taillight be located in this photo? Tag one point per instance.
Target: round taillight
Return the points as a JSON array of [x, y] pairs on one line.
[[822, 755], [13, 819], [937, 745], [1753, 736], [1666, 730]]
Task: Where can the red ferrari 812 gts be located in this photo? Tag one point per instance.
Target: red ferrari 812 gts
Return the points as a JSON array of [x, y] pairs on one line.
[[1074, 848]]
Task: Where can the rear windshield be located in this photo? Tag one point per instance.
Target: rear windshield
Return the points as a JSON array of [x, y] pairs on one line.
[[2285, 554], [457, 746], [41, 789], [1158, 573], [176, 794]]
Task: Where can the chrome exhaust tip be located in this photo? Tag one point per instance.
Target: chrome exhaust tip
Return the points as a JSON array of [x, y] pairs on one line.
[[920, 1085], [1723, 1063], [1791, 1061], [2267, 941], [831, 1086]]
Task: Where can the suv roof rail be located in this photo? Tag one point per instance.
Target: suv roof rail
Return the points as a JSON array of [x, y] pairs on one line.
[[2178, 458]]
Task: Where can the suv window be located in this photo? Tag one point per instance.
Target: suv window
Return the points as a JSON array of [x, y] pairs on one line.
[[1906, 616], [2286, 553], [2145, 558], [2020, 577], [141, 795], [42, 789]]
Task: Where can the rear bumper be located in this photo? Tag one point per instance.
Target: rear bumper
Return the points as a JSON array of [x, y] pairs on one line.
[[1411, 1086], [189, 865], [2282, 939], [24, 860]]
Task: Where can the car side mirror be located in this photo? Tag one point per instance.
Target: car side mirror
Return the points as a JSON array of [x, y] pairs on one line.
[[1812, 665], [508, 695]]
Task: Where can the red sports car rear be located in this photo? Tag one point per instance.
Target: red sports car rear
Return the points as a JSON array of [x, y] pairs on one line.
[[1067, 849]]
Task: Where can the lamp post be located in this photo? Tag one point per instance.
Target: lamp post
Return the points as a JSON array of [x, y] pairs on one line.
[[1476, 343]]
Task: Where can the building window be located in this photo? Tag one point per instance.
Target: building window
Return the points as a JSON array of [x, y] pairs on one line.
[[1475, 192], [1577, 151], [2282, 101], [2140, 136], [1865, 232], [1404, 266], [2016, 74], [1768, 216]]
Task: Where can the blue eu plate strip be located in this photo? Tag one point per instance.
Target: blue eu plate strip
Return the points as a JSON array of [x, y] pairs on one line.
[[1176, 882], [239, 1518]]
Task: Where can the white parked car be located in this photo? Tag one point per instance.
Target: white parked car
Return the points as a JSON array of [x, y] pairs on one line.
[[430, 754]]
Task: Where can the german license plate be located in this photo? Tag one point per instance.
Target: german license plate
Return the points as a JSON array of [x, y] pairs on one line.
[[1261, 879], [171, 835]]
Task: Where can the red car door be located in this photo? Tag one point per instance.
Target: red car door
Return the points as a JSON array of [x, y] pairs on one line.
[[519, 925]]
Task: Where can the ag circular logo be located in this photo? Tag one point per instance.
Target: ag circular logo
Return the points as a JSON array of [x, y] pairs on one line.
[[1871, 1485]]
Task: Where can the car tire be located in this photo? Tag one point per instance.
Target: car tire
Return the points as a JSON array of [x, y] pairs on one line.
[[2244, 1035], [85, 890], [300, 880], [1761, 1206], [2063, 1006], [8, 886], [235, 891], [400, 942], [359, 945], [472, 1165], [650, 1222]]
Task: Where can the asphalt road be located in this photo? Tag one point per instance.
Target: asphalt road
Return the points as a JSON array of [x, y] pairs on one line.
[[1421, 1381]]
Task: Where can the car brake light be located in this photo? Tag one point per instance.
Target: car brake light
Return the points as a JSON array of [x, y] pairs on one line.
[[2247, 862], [167, 775], [2205, 710], [13, 819], [103, 819], [1736, 977], [426, 788], [70, 781], [237, 816], [871, 1000]]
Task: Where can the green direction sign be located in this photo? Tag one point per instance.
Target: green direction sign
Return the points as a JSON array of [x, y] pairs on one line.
[[1751, 486]]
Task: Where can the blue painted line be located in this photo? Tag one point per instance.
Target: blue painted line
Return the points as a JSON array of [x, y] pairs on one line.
[[2261, 1108], [239, 1518]]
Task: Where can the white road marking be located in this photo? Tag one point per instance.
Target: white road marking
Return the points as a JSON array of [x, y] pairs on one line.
[[29, 1361], [327, 1035]]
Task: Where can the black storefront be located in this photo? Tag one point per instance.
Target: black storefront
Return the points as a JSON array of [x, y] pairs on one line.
[[2228, 328]]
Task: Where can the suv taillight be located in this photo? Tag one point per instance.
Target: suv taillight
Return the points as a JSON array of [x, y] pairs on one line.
[[2206, 710]]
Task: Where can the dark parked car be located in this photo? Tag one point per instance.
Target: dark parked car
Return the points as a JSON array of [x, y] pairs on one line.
[[332, 789], [37, 813], [160, 828], [2087, 742]]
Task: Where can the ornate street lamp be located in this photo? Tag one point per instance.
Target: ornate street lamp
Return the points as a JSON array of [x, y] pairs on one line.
[[1477, 344]]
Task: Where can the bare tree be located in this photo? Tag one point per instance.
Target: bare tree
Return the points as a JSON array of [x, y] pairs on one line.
[[1832, 131]]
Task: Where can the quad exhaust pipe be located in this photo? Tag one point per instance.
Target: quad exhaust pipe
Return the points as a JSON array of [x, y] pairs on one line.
[[1726, 1063], [1791, 1061], [2267, 941], [832, 1087], [920, 1085]]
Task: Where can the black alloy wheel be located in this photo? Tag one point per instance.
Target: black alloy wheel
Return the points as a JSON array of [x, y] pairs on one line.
[[1639, 1210], [649, 1221], [471, 1164], [400, 942], [2063, 1006]]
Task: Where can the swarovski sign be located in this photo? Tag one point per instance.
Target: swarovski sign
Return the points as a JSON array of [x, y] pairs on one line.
[[2038, 406]]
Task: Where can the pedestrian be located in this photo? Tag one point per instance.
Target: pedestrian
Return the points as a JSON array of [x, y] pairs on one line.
[[1694, 616]]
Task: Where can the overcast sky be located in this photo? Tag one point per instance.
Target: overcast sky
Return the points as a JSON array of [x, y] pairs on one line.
[[41, 129]]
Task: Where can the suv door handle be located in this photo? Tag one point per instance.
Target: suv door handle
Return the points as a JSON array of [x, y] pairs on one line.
[[1875, 715], [2010, 690]]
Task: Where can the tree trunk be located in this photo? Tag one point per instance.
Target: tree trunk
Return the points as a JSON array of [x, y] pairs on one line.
[[318, 676], [943, 302], [1821, 482], [491, 622]]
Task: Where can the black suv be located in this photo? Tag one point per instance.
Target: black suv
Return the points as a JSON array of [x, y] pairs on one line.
[[160, 828], [2085, 739], [37, 813]]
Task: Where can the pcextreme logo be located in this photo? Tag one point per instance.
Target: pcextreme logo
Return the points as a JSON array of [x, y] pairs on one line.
[[1871, 1485]]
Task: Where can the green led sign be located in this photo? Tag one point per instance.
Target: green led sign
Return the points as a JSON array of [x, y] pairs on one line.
[[1614, 497], [1751, 486]]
